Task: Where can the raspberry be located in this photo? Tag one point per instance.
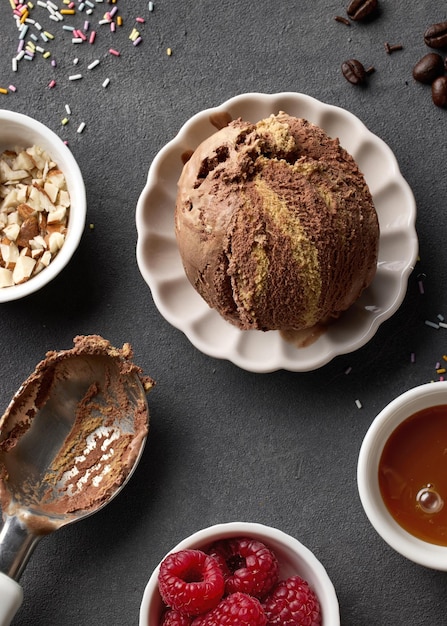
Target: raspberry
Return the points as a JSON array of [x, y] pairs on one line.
[[239, 609], [248, 566], [175, 618], [191, 582], [292, 603]]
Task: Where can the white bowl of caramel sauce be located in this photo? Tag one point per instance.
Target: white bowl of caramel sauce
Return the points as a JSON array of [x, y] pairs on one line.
[[402, 474]]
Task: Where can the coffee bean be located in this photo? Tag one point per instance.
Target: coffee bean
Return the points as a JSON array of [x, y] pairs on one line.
[[361, 9], [428, 68], [354, 71], [439, 92], [436, 35]]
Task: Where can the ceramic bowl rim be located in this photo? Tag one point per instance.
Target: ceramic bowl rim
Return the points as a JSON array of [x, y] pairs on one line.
[[64, 158], [328, 598], [415, 399]]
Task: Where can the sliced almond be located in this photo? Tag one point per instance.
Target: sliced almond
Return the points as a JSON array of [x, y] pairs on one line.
[[39, 200], [38, 243], [13, 218], [23, 161], [10, 254], [51, 190], [6, 279], [64, 198], [23, 269], [55, 242], [28, 230], [57, 178], [25, 210], [12, 231], [10, 176], [56, 228], [57, 216], [46, 258]]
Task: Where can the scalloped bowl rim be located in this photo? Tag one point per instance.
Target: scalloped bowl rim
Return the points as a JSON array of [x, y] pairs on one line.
[[275, 363], [41, 135], [311, 566]]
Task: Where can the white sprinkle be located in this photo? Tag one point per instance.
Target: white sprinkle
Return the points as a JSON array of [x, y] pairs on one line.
[[75, 77], [102, 22], [77, 40], [14, 64], [38, 26], [440, 317], [431, 324], [42, 4], [23, 31], [67, 108], [150, 6], [20, 55], [54, 18], [358, 404], [442, 324], [93, 64], [106, 82], [66, 27], [40, 49], [44, 37], [81, 127], [29, 20], [52, 5], [75, 61]]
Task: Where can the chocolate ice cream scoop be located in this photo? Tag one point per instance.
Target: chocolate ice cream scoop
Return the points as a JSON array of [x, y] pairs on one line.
[[69, 440], [275, 224]]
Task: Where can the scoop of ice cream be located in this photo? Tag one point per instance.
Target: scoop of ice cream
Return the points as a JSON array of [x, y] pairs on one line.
[[275, 224]]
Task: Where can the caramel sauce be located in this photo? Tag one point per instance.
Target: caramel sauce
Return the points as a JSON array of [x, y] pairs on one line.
[[186, 156], [220, 120], [304, 338], [413, 475]]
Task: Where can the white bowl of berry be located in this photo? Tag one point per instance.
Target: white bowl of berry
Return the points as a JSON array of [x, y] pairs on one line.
[[241, 574]]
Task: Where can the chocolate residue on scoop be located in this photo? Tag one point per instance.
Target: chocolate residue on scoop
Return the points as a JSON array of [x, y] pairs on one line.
[[100, 438]]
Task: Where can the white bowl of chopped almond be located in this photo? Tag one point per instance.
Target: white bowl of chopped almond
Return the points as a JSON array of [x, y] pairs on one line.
[[239, 574], [42, 205]]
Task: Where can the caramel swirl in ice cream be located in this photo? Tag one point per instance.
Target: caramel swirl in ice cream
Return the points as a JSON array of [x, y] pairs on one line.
[[275, 224]]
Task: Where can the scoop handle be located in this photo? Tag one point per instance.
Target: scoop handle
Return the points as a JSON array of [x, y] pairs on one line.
[[11, 596]]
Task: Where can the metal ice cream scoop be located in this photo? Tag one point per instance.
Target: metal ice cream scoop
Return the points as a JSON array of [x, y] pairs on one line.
[[69, 441]]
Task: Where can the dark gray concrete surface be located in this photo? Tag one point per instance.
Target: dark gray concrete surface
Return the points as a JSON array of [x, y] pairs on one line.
[[225, 444]]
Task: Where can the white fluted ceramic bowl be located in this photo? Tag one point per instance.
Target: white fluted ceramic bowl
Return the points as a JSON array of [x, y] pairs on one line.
[[161, 266]]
